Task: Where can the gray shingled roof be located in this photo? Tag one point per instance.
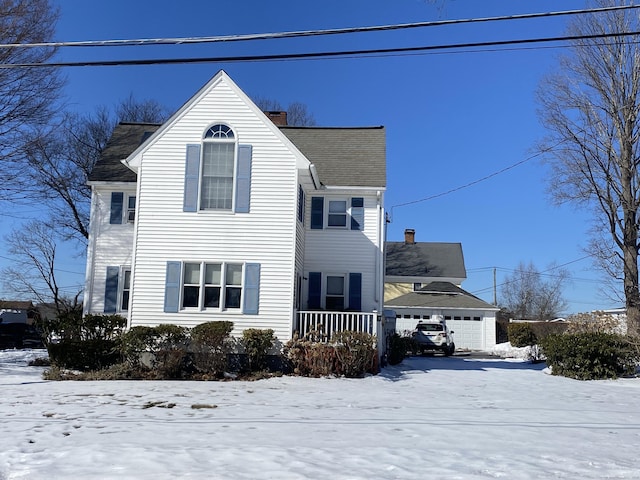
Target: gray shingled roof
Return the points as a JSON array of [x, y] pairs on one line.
[[440, 295], [125, 139], [344, 157], [425, 259]]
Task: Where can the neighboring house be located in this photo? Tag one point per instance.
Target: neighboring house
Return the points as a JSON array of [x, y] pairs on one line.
[[16, 312], [410, 265], [220, 214], [472, 319], [423, 281]]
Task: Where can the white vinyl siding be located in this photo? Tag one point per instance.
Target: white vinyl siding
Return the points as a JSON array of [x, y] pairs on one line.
[[266, 235], [109, 245], [343, 251]]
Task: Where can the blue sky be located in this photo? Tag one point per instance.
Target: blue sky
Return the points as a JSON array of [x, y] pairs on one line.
[[451, 118]]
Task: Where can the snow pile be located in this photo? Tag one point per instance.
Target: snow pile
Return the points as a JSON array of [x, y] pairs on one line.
[[505, 350], [429, 417]]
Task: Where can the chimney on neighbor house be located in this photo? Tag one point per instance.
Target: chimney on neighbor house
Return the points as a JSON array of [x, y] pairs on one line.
[[277, 117], [409, 236]]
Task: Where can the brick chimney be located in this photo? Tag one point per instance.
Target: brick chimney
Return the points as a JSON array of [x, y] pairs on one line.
[[409, 236], [277, 117]]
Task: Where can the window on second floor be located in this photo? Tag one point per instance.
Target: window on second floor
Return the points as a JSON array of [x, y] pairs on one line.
[[122, 208], [131, 209], [218, 173], [218, 168], [346, 213]]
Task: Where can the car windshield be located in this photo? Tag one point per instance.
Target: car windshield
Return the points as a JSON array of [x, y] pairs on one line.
[[430, 327]]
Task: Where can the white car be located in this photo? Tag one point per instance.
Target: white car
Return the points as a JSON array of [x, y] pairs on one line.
[[433, 336]]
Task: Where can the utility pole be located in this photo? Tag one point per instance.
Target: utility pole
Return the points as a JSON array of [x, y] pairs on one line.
[[495, 292]]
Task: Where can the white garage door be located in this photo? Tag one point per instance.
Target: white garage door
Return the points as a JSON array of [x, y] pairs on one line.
[[468, 333]]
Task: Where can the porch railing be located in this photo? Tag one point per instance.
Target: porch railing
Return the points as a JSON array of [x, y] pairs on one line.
[[328, 323]]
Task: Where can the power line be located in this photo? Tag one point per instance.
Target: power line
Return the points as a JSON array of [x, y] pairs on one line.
[[314, 55], [307, 33], [475, 182]]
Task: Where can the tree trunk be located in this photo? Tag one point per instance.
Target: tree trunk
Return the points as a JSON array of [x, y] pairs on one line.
[[631, 291]]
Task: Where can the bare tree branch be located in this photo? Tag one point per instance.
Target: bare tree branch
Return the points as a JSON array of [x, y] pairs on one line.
[[591, 106]]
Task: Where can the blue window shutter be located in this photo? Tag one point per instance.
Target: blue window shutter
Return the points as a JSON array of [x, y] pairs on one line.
[[300, 204], [251, 288], [111, 290], [117, 201], [357, 213], [315, 290], [243, 179], [172, 287], [191, 178], [317, 212], [355, 292]]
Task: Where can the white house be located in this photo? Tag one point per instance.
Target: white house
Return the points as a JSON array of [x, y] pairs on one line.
[[220, 214], [422, 282]]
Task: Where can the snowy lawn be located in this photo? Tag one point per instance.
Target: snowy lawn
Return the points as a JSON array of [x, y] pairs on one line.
[[430, 417]]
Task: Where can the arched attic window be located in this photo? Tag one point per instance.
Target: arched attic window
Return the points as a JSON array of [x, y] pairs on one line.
[[218, 168]]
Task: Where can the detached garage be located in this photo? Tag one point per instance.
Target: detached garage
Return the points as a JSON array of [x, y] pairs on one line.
[[472, 319]]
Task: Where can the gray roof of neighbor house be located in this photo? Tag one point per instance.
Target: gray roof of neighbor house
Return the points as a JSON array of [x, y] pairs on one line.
[[425, 259], [440, 295], [342, 156], [126, 137]]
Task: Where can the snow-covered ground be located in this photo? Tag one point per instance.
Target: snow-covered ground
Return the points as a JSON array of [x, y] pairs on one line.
[[430, 417]]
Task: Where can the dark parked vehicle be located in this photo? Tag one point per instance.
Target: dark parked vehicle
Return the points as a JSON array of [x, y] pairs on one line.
[[19, 335]]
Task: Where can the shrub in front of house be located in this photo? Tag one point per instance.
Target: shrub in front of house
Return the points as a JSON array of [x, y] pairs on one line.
[[590, 355], [210, 345], [161, 350], [356, 352], [84, 343], [257, 344], [398, 348], [521, 335], [352, 354]]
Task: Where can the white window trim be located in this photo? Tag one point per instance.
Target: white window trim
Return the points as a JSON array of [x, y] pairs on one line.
[[345, 292], [121, 289], [223, 285], [347, 213], [127, 211]]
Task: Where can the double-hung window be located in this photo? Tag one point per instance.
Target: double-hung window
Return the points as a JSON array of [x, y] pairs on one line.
[[122, 209], [212, 285], [335, 292], [218, 168], [217, 175], [131, 209], [337, 214], [126, 289], [117, 289]]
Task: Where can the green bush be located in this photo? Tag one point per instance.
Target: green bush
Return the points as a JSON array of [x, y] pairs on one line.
[[398, 348], [543, 329], [84, 355], [84, 343], [590, 355], [210, 345], [162, 349], [351, 354], [257, 344], [521, 335]]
